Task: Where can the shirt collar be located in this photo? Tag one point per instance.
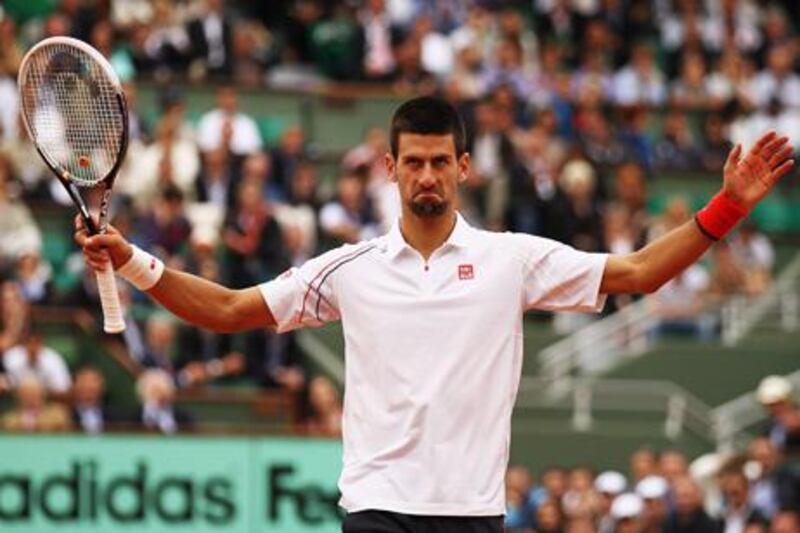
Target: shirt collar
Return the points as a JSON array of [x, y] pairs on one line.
[[458, 238]]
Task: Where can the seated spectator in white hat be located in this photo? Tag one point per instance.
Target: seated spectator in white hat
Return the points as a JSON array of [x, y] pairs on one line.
[[608, 485], [775, 394], [653, 491], [627, 513]]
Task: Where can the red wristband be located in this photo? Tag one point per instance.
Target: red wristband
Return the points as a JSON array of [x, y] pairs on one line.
[[719, 216]]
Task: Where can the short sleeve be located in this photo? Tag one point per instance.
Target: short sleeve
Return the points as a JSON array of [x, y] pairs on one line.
[[305, 296], [557, 277]]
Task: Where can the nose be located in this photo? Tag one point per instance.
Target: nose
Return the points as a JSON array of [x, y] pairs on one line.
[[426, 179]]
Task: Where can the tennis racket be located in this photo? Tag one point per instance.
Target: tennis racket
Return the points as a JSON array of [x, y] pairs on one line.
[[76, 115]]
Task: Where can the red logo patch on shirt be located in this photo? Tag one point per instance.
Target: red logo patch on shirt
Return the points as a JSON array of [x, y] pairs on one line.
[[152, 264], [465, 272]]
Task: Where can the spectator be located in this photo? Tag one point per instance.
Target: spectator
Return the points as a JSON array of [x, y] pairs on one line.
[[382, 192], [627, 511], [643, 463], [33, 276], [738, 512], [583, 223], [89, 411], [379, 60], [775, 395], [349, 217], [640, 82], [18, 230], [211, 37], [608, 485], [32, 412], [171, 161], [409, 76], [775, 485], [227, 128], [326, 407], [677, 149], [580, 500], [158, 413], [653, 491], [217, 182], [688, 515], [777, 80], [14, 315], [672, 465], [32, 357], [755, 253], [691, 90], [553, 486], [286, 157], [549, 518], [492, 160], [519, 509], [252, 238], [715, 147], [165, 228], [728, 278], [785, 522]]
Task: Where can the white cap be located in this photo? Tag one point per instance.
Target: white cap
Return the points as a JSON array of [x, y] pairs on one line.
[[577, 172], [610, 482], [652, 487], [627, 505], [773, 389]]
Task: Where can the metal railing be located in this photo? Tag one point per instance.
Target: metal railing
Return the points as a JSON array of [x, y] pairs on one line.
[[604, 344], [740, 315], [598, 347], [677, 409]]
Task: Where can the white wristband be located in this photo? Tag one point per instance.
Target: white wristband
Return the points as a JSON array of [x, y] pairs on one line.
[[142, 270]]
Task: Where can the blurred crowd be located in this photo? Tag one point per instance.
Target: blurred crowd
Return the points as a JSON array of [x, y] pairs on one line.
[[756, 491], [573, 110]]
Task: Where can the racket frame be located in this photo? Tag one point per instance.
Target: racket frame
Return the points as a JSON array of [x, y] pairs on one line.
[[62, 174]]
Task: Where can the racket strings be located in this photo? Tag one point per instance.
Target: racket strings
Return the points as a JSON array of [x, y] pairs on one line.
[[72, 110]]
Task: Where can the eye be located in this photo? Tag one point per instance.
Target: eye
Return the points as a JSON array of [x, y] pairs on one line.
[[413, 162], [441, 161]]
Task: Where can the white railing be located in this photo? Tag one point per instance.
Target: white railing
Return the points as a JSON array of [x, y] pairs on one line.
[[741, 314], [591, 397], [599, 346], [604, 344]]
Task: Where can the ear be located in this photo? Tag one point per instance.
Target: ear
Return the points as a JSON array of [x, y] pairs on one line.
[[389, 163], [464, 167]]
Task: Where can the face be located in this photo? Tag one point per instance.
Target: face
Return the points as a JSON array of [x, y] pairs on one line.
[[427, 172], [734, 489], [89, 387]]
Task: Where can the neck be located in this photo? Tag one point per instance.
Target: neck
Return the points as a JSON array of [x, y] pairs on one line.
[[427, 234]]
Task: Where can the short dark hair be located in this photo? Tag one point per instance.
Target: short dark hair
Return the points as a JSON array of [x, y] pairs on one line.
[[427, 115]]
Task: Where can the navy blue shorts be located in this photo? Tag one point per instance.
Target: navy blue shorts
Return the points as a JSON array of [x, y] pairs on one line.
[[389, 522]]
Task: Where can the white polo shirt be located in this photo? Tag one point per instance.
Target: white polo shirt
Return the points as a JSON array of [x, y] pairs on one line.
[[433, 356]]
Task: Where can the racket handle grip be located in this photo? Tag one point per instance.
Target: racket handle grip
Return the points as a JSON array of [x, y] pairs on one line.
[[109, 300]]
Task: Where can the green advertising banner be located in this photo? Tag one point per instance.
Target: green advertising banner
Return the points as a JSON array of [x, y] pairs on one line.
[[160, 484]]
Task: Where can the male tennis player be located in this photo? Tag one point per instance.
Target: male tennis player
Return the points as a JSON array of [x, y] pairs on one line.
[[432, 317]]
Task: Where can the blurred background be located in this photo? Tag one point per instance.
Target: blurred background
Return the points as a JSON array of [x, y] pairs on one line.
[[257, 136]]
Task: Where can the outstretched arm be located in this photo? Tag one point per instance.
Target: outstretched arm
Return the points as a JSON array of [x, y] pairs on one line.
[[196, 300], [746, 181]]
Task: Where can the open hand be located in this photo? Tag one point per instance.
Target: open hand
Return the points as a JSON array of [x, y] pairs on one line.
[[748, 179]]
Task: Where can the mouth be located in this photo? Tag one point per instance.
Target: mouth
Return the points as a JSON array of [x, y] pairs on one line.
[[430, 196]]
